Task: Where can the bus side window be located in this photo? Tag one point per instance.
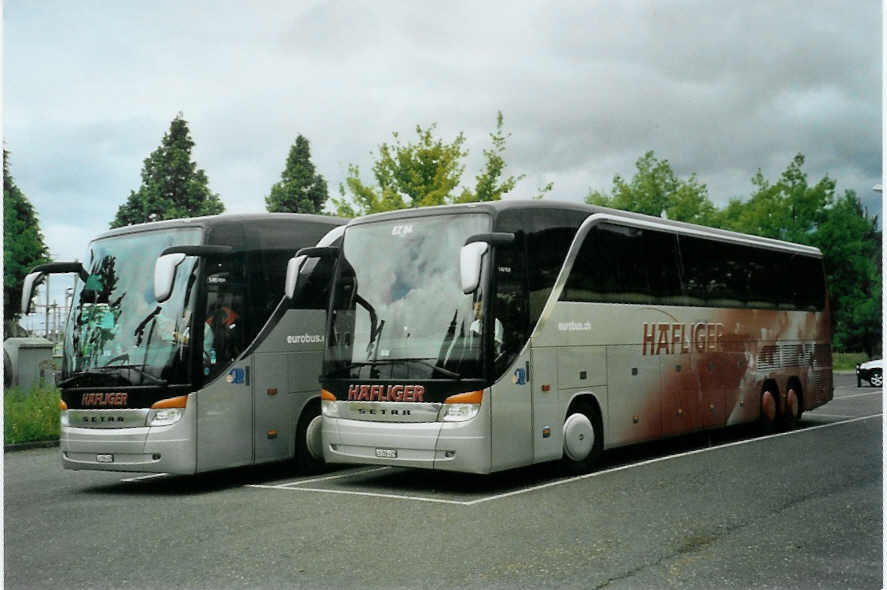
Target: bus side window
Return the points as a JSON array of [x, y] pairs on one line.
[[510, 329], [224, 329]]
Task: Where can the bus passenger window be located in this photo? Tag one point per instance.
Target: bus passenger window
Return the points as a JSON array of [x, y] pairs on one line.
[[223, 330]]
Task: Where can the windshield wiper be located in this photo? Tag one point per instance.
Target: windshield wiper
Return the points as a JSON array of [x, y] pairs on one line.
[[105, 369], [424, 362]]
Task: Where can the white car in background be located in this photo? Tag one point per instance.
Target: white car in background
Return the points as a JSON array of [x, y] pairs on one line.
[[871, 371]]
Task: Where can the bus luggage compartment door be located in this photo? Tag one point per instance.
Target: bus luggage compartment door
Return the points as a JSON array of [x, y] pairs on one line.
[[547, 416]]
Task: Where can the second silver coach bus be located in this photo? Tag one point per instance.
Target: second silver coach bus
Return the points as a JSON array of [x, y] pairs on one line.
[[180, 353], [483, 337]]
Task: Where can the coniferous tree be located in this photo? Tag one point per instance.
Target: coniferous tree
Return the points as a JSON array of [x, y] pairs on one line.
[[23, 245], [301, 189], [172, 185]]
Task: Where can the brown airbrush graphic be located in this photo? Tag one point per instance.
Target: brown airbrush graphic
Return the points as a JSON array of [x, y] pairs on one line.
[[741, 366]]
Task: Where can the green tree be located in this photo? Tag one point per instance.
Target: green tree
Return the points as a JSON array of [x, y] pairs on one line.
[[23, 246], [789, 209], [301, 189], [655, 189], [425, 173], [172, 185], [851, 248], [409, 175]]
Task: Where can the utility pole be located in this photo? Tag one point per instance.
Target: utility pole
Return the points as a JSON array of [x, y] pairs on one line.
[[46, 326]]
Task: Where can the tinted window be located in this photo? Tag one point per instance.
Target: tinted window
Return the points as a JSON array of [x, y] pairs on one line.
[[622, 264], [549, 234]]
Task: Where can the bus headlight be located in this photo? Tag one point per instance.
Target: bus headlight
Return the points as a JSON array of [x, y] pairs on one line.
[[460, 407], [329, 407], [457, 412], [167, 411], [65, 420], [165, 416]]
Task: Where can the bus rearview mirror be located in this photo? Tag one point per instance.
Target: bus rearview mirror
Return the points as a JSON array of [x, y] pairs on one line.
[[165, 275], [31, 280], [470, 259], [292, 275]]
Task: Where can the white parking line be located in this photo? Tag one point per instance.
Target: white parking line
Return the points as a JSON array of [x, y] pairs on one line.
[[153, 475], [289, 487], [372, 494], [666, 458], [327, 478]]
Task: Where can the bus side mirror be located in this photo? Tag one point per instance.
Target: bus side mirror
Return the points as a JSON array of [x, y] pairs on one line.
[[292, 275], [31, 281], [165, 274], [297, 262], [470, 259], [472, 253]]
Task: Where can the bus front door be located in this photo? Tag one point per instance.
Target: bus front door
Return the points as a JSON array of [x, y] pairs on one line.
[[512, 442], [225, 419]]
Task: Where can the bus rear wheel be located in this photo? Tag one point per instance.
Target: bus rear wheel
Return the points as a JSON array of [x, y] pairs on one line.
[[792, 411], [583, 438], [769, 410]]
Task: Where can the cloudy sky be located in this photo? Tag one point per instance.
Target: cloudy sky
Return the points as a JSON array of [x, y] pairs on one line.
[[721, 89]]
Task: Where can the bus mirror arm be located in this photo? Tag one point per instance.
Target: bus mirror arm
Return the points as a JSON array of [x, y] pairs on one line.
[[38, 272]]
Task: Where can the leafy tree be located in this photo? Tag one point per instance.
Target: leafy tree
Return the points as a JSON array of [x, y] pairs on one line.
[[789, 209], [172, 185], [851, 247], [488, 186], [23, 245], [417, 174], [654, 190], [301, 189], [426, 173]]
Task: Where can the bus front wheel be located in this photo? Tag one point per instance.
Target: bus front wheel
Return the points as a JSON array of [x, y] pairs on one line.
[[309, 444], [583, 438]]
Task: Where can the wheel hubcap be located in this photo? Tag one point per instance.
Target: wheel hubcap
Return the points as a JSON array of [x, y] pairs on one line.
[[768, 406], [314, 438], [792, 403], [578, 437], [877, 380]]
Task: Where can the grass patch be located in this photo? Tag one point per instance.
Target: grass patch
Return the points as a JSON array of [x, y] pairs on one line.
[[846, 361], [30, 415]]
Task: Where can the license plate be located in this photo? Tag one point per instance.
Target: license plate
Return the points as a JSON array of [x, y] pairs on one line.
[[387, 453], [104, 458]]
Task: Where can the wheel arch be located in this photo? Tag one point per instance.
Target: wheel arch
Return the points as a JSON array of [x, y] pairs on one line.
[[590, 398]]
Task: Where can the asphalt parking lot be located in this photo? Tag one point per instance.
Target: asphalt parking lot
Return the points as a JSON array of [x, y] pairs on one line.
[[731, 509]]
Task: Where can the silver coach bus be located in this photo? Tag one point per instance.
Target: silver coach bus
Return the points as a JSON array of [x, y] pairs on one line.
[[181, 354], [488, 336]]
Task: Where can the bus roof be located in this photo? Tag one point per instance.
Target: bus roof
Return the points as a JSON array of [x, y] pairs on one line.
[[271, 230], [494, 208]]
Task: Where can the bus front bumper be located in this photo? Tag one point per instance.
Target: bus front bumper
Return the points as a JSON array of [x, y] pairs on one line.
[[449, 446], [155, 449]]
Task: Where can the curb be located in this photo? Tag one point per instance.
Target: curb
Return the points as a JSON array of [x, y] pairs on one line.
[[37, 444]]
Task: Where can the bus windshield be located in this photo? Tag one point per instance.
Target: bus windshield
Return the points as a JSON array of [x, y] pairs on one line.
[[398, 307], [118, 334]]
